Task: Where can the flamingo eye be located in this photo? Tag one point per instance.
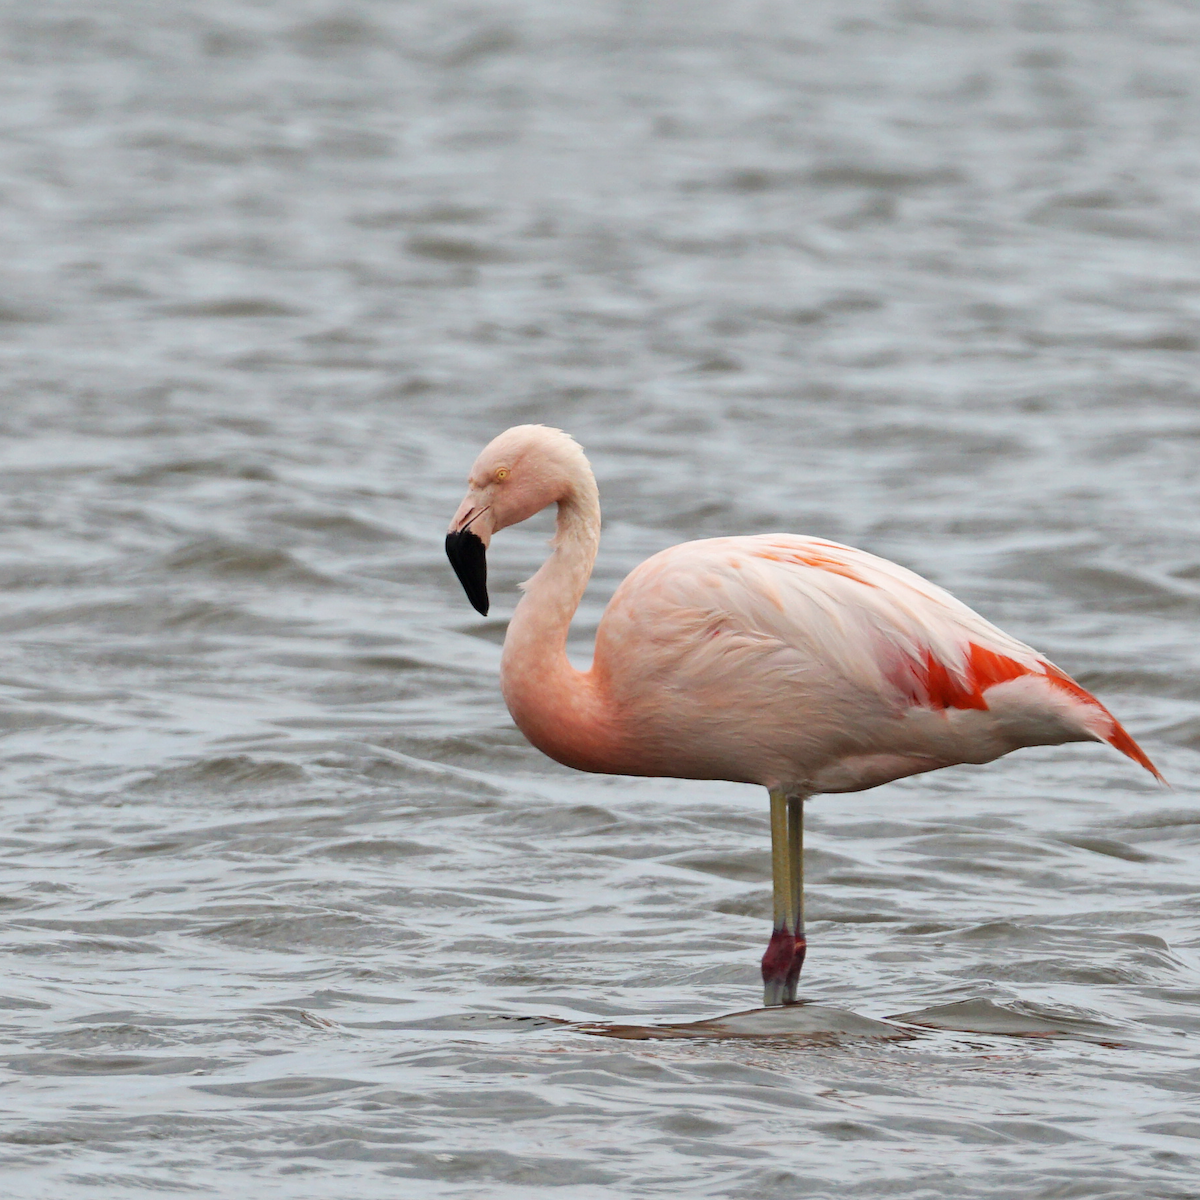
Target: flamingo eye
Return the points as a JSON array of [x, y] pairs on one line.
[[502, 473]]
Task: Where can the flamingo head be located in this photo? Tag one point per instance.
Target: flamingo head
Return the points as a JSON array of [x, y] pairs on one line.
[[525, 469]]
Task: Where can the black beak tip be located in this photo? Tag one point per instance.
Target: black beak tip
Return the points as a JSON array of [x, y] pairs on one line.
[[468, 557]]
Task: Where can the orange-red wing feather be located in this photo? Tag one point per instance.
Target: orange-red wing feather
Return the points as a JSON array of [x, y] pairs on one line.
[[812, 555], [931, 683], [1118, 736]]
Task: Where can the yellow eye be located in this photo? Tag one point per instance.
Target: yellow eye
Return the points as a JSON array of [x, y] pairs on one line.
[[501, 473]]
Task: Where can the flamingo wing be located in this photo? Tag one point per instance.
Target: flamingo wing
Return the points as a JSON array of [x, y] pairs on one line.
[[901, 644]]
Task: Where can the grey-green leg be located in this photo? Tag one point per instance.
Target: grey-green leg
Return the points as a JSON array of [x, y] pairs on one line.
[[785, 952]]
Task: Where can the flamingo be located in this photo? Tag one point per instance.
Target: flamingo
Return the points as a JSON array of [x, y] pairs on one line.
[[791, 662]]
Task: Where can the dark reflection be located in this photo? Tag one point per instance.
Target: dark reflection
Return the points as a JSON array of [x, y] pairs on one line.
[[795, 1022]]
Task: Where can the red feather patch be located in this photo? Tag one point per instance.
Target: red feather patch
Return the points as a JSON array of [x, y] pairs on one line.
[[931, 684], [811, 556]]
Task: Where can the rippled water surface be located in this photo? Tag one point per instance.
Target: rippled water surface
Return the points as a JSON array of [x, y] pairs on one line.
[[291, 909]]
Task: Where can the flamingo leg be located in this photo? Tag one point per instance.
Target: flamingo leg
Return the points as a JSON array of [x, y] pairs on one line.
[[785, 952]]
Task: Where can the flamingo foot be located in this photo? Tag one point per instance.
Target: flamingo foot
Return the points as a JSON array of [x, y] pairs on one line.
[[781, 967]]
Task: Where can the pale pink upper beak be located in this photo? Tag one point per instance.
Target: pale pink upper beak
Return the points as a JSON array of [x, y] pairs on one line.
[[474, 513]]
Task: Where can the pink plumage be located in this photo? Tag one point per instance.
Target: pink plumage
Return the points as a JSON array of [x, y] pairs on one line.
[[798, 662], [792, 662]]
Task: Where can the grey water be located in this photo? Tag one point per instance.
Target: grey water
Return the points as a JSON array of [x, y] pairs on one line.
[[290, 909]]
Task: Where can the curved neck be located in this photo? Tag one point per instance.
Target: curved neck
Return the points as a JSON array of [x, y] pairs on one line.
[[559, 709]]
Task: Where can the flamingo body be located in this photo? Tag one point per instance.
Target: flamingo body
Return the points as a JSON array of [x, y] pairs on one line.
[[802, 664], [792, 662]]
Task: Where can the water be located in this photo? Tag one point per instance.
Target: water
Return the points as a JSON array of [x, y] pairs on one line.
[[291, 909]]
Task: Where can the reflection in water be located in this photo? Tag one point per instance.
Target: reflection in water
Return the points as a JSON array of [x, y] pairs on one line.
[[814, 1024], [290, 904]]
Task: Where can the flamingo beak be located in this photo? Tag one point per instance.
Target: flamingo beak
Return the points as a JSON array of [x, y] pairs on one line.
[[468, 557], [467, 552]]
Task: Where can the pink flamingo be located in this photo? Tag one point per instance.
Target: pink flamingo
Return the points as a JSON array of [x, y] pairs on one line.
[[791, 662]]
